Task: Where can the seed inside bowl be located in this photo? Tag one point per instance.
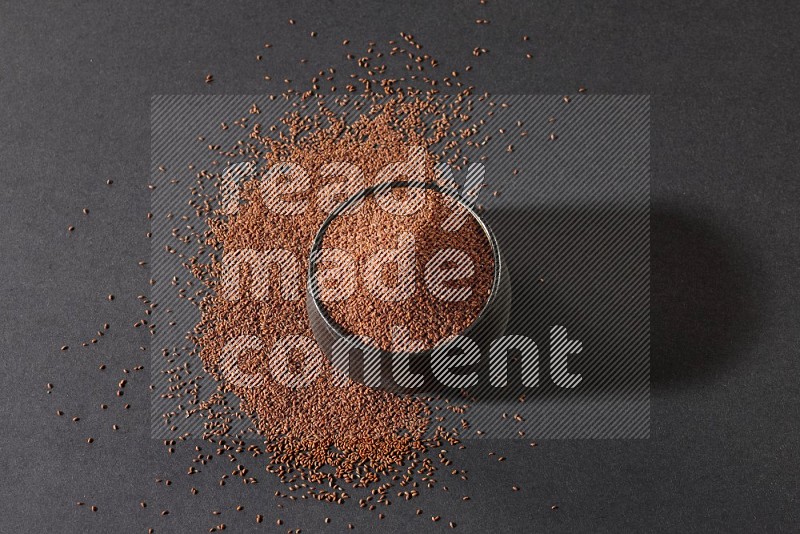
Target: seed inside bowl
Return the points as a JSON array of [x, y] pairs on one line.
[[422, 268]]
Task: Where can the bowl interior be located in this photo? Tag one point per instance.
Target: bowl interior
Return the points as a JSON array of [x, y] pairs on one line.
[[313, 288]]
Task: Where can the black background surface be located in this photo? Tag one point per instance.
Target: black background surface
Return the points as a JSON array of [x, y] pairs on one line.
[[75, 86]]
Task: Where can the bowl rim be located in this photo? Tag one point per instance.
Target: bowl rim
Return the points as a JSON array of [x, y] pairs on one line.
[[313, 289]]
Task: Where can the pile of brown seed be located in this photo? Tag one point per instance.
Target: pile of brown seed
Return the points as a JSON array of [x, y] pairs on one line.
[[309, 435]]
